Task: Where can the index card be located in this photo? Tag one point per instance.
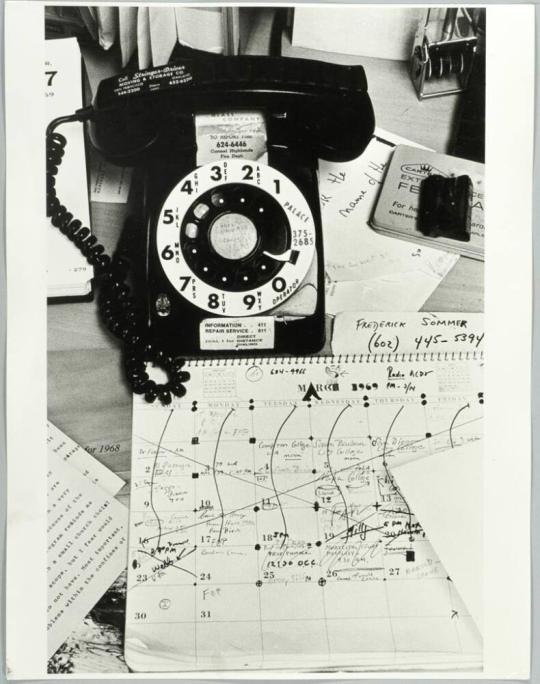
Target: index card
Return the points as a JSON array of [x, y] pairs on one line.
[[368, 332]]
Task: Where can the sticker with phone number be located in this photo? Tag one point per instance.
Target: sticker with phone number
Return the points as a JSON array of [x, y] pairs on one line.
[[219, 334], [230, 135]]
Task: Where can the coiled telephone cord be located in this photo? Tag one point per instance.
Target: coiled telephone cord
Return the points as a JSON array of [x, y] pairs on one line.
[[118, 308]]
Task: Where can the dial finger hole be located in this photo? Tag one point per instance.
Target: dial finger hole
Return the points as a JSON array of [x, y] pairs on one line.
[[192, 230], [218, 199], [201, 210]]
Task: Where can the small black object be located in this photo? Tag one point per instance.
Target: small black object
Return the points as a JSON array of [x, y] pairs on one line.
[[445, 207]]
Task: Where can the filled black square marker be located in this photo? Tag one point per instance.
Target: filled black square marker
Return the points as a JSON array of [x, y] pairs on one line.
[[194, 475], [252, 440], [409, 556], [194, 440]]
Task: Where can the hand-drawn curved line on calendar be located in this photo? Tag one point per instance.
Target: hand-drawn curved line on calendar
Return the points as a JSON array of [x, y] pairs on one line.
[[214, 471], [265, 503], [153, 475], [345, 509], [285, 531], [288, 491], [389, 475], [453, 421]]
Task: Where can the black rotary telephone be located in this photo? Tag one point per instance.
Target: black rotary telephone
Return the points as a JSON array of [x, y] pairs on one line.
[[226, 257]]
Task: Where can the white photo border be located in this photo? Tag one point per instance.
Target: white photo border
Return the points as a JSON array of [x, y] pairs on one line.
[[508, 281]]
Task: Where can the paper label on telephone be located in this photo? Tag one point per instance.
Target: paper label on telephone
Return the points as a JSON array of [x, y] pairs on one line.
[[109, 183], [219, 334], [230, 135]]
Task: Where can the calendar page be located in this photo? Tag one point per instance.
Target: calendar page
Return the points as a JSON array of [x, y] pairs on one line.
[[266, 527]]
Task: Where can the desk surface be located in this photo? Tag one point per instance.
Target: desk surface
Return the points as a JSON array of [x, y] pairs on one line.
[[87, 395]]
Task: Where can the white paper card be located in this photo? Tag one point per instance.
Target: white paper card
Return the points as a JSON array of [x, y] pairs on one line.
[[366, 332], [162, 34], [143, 38], [383, 294], [200, 28], [109, 183], [87, 544], [70, 452], [445, 490], [385, 32], [230, 135]]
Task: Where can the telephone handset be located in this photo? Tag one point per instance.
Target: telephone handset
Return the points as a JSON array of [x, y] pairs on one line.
[[226, 257]]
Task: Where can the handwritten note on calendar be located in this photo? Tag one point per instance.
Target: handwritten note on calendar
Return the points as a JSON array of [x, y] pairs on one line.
[[267, 531]]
